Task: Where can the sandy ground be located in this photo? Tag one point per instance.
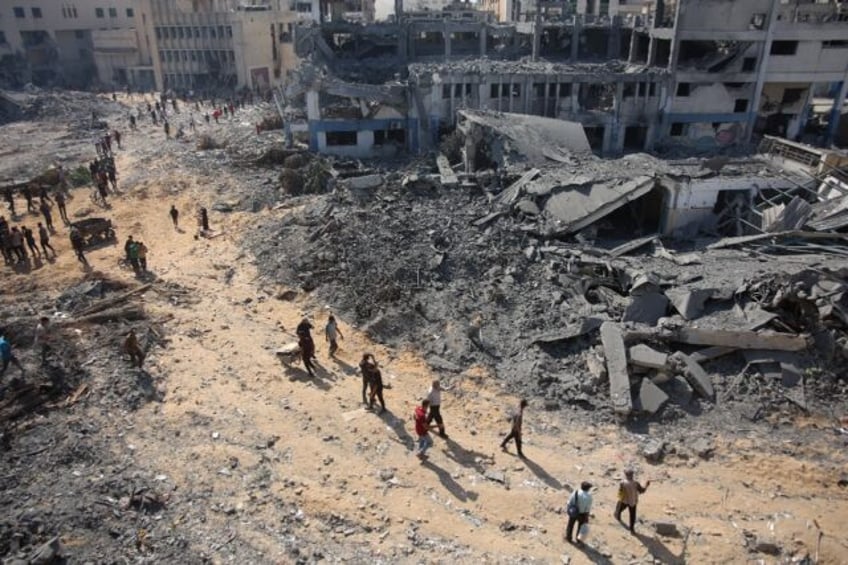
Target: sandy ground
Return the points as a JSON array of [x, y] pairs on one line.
[[232, 411]]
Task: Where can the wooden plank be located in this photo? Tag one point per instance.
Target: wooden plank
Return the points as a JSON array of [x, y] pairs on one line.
[[741, 339], [109, 302], [616, 358]]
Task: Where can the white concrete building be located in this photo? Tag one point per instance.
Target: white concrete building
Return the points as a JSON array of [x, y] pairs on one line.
[[52, 41]]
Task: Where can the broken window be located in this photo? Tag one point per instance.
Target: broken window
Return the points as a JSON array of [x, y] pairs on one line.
[[457, 90], [19, 12], [504, 90], [113, 12], [382, 137], [130, 13], [652, 89], [629, 90], [36, 12], [678, 129], [99, 12], [229, 31], [516, 90], [784, 47], [337, 138], [468, 89], [740, 106], [835, 44], [539, 89], [749, 64], [552, 89], [565, 90], [792, 95], [445, 92], [643, 88], [684, 88]]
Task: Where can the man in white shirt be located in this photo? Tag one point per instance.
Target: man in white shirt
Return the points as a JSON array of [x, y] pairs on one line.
[[435, 398], [578, 508]]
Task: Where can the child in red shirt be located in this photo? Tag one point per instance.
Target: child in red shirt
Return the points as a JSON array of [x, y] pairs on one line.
[[422, 430]]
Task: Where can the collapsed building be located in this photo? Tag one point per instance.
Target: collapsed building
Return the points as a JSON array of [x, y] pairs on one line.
[[639, 77]]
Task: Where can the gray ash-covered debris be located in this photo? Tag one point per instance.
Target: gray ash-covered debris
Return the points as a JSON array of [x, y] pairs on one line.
[[414, 261]]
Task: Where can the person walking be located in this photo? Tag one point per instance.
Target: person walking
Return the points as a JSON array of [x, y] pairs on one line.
[[142, 256], [175, 216], [43, 337], [204, 220], [167, 130], [16, 241], [332, 333], [10, 200], [435, 398], [27, 192], [578, 507], [628, 497], [372, 381], [60, 204], [517, 419], [44, 239], [6, 355], [422, 429], [132, 253], [307, 345], [48, 217], [30, 241], [78, 244], [133, 349]]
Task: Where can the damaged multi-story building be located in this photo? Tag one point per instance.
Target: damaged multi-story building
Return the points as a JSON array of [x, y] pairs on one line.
[[637, 76], [53, 42]]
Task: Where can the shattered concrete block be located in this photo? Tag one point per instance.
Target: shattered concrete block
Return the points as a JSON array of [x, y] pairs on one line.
[[644, 356], [790, 374], [666, 529], [695, 374], [689, 303], [616, 357], [596, 367], [651, 397], [680, 391], [654, 450], [646, 308], [365, 182]]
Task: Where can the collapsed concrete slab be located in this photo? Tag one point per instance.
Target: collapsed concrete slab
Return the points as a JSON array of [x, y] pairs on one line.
[[573, 207], [651, 397], [644, 356], [616, 357], [695, 375], [689, 303], [646, 308]]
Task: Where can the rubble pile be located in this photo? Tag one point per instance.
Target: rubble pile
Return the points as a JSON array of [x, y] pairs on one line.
[[574, 320]]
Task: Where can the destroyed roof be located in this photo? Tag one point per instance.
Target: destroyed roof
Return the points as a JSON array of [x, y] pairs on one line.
[[484, 66], [534, 138]]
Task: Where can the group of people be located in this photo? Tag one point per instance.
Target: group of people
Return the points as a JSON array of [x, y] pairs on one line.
[[18, 243], [135, 253]]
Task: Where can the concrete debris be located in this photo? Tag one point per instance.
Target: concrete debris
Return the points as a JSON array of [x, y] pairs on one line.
[[689, 303], [703, 448], [644, 356], [680, 391], [695, 374], [651, 397], [654, 451], [646, 308], [616, 357]]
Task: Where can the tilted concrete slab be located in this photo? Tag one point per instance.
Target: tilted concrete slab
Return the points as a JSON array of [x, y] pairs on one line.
[[651, 397], [645, 356], [616, 357]]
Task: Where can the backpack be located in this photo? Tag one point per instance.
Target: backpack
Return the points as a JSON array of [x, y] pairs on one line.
[[571, 506]]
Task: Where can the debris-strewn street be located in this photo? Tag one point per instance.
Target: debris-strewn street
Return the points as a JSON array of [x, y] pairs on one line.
[[710, 364]]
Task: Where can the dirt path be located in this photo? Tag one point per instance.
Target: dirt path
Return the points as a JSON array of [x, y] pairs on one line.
[[258, 455]]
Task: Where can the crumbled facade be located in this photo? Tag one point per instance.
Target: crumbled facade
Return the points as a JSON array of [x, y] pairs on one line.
[[703, 74]]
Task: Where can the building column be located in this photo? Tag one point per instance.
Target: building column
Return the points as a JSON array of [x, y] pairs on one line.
[[447, 37], [575, 98], [836, 111], [652, 51], [575, 37], [607, 143], [762, 62], [616, 135], [802, 115], [631, 55], [483, 39], [614, 43]]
